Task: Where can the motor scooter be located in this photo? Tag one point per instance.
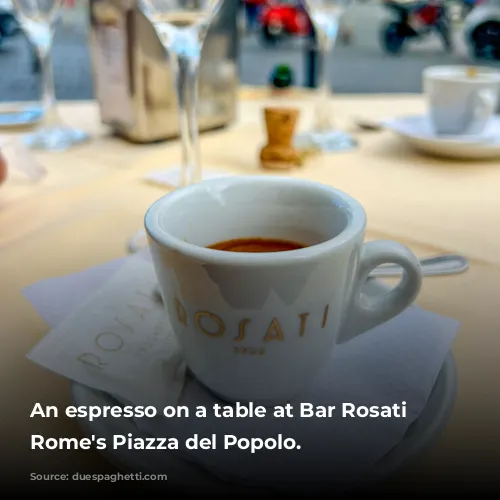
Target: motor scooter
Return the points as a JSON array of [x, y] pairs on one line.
[[281, 19], [415, 20], [9, 25], [482, 31]]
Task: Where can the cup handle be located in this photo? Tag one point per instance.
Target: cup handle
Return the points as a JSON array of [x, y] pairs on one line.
[[485, 105], [368, 311]]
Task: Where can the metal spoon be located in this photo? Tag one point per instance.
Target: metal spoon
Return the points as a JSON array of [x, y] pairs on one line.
[[440, 265]]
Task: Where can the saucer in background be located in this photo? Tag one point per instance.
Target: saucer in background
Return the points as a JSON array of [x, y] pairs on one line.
[[19, 116], [416, 130]]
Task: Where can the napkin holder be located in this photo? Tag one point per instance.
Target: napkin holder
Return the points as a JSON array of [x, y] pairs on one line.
[[133, 80]]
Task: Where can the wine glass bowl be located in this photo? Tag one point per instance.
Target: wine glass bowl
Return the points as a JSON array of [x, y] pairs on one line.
[[181, 13], [38, 19], [181, 25]]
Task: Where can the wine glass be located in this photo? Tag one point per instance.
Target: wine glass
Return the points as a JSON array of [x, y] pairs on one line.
[[182, 26], [38, 19], [325, 17]]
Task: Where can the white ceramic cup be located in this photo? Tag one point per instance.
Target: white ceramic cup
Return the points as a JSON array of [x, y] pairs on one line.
[[257, 327], [460, 104]]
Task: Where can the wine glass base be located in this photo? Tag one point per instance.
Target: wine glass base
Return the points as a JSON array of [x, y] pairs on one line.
[[55, 138], [137, 242], [328, 141]]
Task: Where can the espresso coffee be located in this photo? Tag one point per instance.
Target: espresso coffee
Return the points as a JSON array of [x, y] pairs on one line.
[[256, 245]]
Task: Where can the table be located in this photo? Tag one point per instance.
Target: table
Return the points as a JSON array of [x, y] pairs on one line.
[[94, 199]]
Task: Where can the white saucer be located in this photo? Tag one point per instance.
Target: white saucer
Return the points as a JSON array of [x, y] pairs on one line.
[[20, 116], [417, 439], [417, 131]]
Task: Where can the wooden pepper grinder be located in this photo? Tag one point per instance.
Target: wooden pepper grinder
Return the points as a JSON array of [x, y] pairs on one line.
[[279, 153]]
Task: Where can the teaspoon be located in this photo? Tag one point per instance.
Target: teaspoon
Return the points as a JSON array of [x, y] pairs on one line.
[[440, 265]]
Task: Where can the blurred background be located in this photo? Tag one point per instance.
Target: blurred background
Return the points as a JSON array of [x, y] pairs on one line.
[[382, 46]]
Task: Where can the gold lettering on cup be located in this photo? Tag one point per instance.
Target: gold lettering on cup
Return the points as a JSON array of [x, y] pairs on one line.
[[90, 359], [303, 321], [181, 312], [109, 341], [274, 332], [221, 327], [325, 316], [241, 331]]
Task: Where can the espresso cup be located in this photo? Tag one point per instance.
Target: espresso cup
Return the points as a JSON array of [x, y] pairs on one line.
[[461, 103], [257, 327]]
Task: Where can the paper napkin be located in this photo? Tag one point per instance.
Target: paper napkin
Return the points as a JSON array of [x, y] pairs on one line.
[[131, 353], [118, 340], [172, 178], [20, 159], [57, 298]]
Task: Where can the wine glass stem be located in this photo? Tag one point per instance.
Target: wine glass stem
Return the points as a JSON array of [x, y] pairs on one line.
[[51, 116], [323, 120], [186, 72]]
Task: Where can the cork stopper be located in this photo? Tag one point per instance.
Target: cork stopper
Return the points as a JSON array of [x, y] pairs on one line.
[[279, 152]]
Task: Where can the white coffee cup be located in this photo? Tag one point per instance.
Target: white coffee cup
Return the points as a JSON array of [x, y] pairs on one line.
[[460, 104], [257, 327]]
